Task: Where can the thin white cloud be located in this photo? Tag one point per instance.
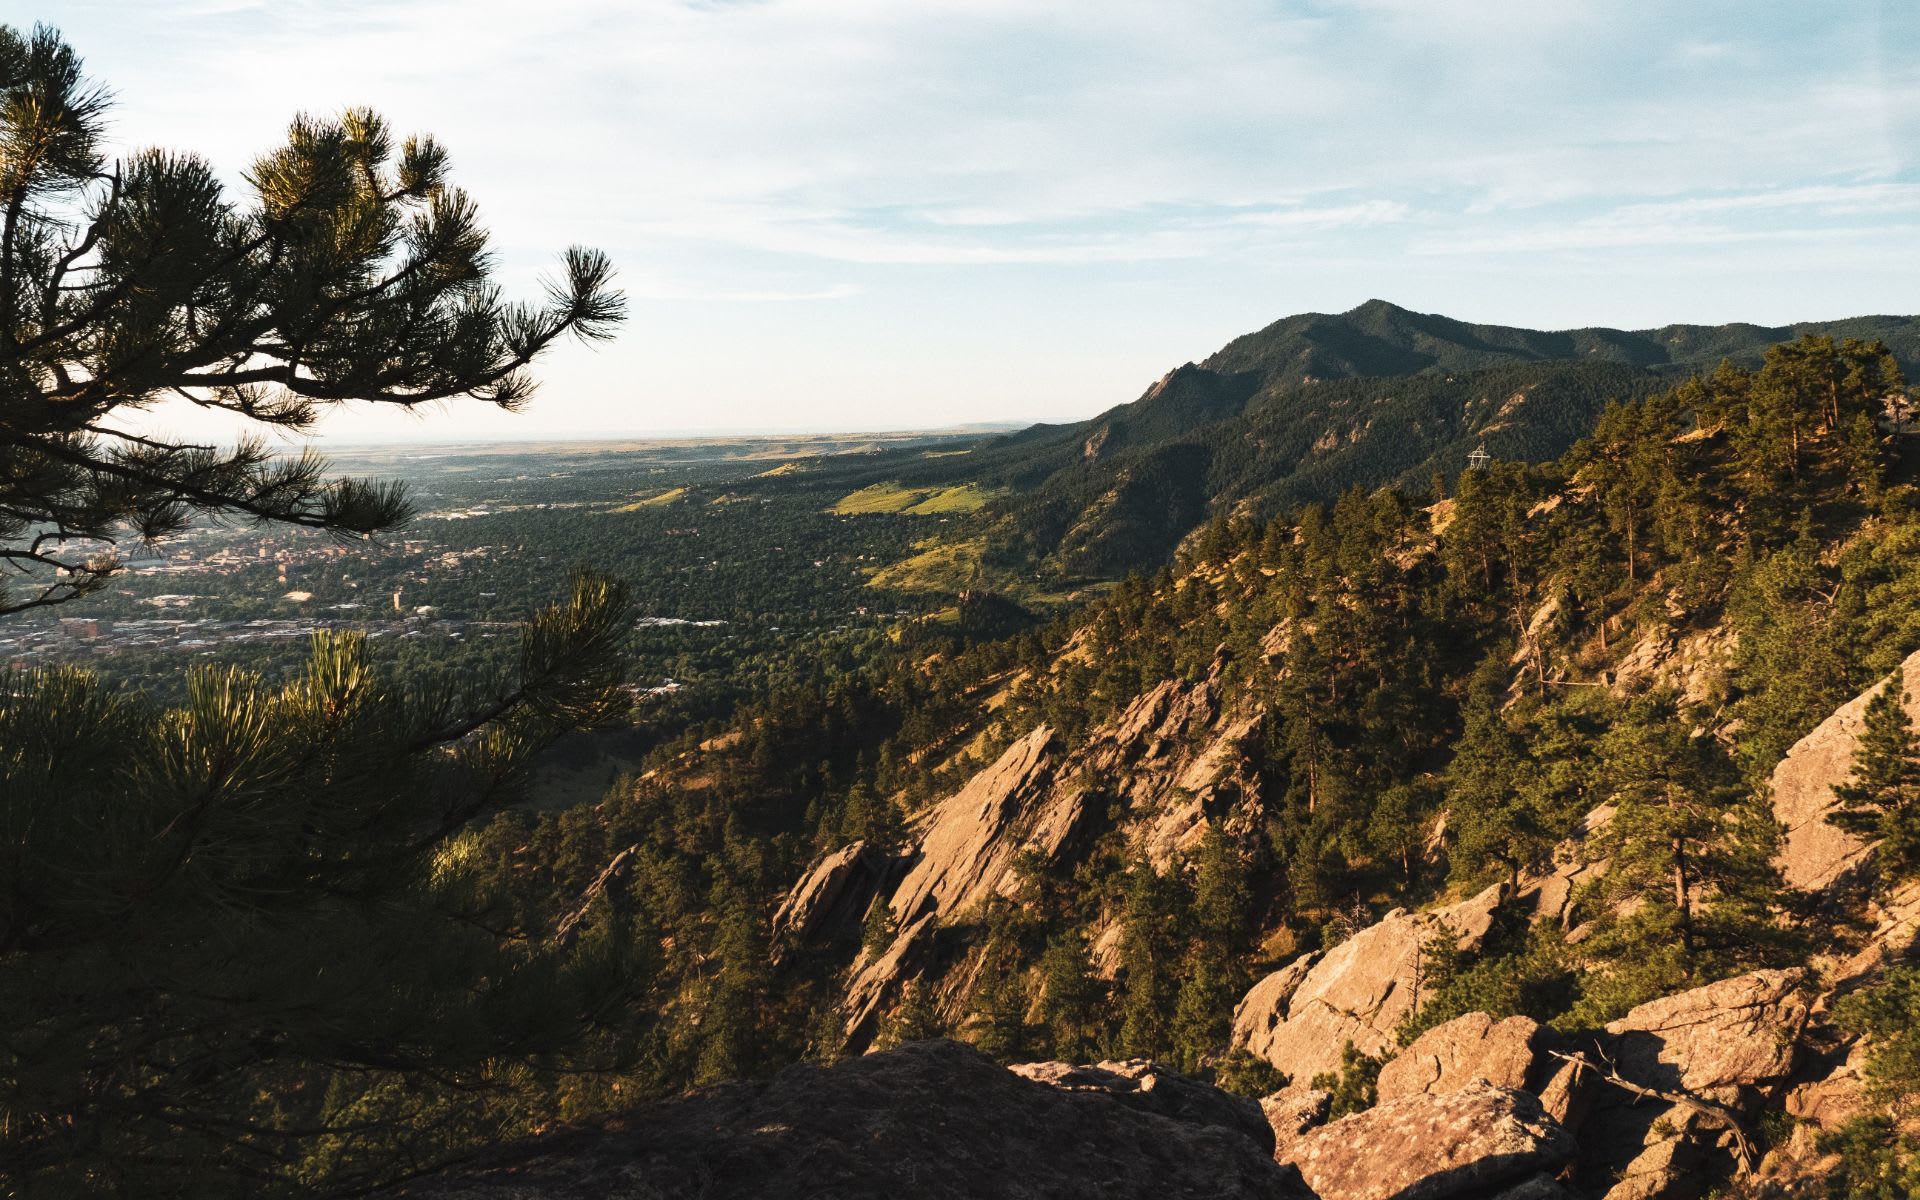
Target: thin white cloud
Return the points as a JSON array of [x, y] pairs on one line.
[[887, 159]]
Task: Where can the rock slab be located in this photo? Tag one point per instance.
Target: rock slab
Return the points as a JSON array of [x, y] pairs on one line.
[[1470, 1142], [1815, 855], [1299, 1017], [1469, 1049], [932, 1120]]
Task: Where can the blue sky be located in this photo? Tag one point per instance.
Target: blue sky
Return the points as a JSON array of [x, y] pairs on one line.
[[844, 214]]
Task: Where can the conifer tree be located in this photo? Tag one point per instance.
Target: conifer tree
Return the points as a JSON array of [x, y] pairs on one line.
[[1881, 799], [1494, 824], [352, 271], [914, 1020], [1152, 948], [1071, 1000], [242, 941], [1689, 851]]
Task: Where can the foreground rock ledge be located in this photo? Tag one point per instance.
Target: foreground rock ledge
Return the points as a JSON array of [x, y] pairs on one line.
[[931, 1119]]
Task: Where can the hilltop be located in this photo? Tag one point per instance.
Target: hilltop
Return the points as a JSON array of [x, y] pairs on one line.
[[1306, 408]]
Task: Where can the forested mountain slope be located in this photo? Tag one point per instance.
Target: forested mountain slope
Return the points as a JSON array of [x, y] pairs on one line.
[[1358, 774], [1315, 404]]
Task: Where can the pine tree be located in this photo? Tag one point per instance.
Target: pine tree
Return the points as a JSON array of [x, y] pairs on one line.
[[998, 1024], [256, 908], [1221, 895], [353, 272], [730, 1019], [914, 1019], [1690, 876], [243, 940], [1202, 1009], [1866, 474], [1072, 1000], [1494, 826], [878, 930], [1152, 948], [1881, 799]]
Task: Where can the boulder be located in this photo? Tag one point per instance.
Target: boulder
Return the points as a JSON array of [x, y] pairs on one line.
[[1145, 1085], [1836, 1095], [1814, 855], [1291, 1112], [1731, 1044], [1648, 1151], [1568, 1089], [1727, 1041], [1299, 1017], [1470, 1142], [933, 1120], [1467, 1050]]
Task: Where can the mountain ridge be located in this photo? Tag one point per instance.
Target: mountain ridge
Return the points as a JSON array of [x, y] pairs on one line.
[[1315, 404]]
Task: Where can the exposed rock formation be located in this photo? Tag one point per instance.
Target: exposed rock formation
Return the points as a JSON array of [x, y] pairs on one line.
[[1730, 1044], [1145, 1085], [1291, 1113], [878, 978], [1299, 1017], [1722, 1041], [835, 892], [1550, 895], [932, 1119], [979, 831], [1465, 1143], [1815, 855], [1467, 1050], [1173, 757]]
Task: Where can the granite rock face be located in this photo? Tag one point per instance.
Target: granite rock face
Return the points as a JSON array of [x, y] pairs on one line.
[[1815, 855], [1472, 1142], [878, 978], [1726, 1041], [1732, 1044], [835, 892], [1299, 1017], [1292, 1112], [1465, 1051], [978, 831], [932, 1119]]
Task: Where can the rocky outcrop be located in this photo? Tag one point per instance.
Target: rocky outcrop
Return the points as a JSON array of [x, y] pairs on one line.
[[1725, 1041], [1291, 1113], [1142, 1084], [1178, 758], [835, 893], [934, 1120], [1719, 1052], [1548, 894], [977, 832], [1472, 1142], [1174, 761], [1815, 855], [1468, 1050], [878, 978], [1299, 1017], [1694, 664]]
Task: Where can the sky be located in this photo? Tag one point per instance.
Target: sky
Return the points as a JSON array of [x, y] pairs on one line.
[[890, 214]]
